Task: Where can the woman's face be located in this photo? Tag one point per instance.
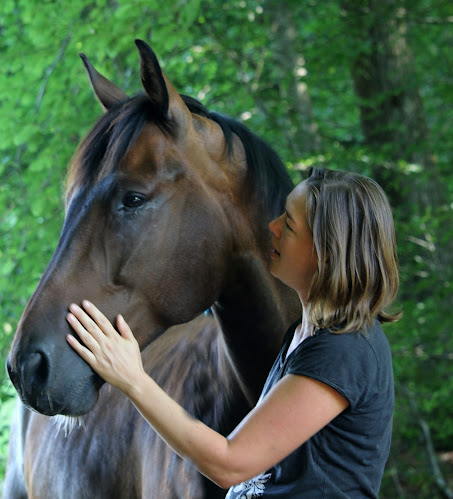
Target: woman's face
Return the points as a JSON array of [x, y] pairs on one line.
[[293, 258]]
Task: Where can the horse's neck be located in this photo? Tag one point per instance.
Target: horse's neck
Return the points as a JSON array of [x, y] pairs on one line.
[[254, 312]]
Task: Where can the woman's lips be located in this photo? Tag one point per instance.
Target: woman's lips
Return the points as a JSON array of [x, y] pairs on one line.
[[274, 253]]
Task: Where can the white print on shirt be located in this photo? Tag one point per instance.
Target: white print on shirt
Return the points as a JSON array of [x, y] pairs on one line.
[[251, 488]]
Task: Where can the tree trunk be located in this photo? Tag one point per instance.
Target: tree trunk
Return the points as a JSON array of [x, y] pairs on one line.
[[394, 124], [304, 130], [392, 115]]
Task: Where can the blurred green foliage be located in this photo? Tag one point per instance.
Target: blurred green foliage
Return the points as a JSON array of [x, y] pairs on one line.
[[285, 69]]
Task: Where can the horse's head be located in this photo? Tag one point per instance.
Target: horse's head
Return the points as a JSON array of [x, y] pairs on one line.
[[161, 199], [146, 234]]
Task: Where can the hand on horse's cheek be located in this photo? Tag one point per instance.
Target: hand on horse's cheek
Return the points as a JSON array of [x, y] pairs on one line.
[[114, 355]]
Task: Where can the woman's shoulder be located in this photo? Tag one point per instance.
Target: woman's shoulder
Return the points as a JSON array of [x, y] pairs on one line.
[[369, 346], [349, 362], [360, 351], [372, 340]]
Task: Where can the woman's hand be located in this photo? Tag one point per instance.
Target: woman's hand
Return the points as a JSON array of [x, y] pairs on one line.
[[115, 357]]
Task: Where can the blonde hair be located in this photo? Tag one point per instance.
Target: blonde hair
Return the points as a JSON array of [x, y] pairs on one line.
[[354, 237]]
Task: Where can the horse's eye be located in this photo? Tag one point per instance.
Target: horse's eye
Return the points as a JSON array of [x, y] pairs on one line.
[[132, 200]]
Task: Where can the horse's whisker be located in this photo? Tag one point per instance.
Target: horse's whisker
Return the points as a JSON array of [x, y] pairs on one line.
[[67, 423]]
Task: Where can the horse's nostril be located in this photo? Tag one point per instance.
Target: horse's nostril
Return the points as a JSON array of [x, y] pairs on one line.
[[35, 370]]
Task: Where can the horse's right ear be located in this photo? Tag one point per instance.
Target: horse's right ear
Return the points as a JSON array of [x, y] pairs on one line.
[[107, 93]]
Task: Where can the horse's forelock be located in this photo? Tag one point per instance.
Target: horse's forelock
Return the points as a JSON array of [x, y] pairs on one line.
[[100, 153]]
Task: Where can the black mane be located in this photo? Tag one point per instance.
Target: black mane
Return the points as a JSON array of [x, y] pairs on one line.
[[267, 172], [117, 130]]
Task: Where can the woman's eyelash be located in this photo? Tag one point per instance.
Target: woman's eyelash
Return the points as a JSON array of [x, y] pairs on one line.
[[287, 226]]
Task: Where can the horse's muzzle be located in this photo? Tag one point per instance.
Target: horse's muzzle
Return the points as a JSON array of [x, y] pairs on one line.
[[44, 392]]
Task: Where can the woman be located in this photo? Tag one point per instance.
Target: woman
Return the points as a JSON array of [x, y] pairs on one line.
[[322, 427]]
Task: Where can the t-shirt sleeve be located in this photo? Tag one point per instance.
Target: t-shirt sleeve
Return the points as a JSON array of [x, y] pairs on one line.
[[346, 362]]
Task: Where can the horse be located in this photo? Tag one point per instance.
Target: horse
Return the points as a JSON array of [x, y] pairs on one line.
[[166, 213]]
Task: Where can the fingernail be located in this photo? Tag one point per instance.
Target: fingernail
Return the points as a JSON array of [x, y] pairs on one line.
[[73, 307], [86, 304]]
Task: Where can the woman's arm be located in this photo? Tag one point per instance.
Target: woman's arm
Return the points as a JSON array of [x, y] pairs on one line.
[[294, 410]]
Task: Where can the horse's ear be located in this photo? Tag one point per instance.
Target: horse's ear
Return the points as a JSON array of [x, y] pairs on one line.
[[152, 78], [164, 98], [107, 93]]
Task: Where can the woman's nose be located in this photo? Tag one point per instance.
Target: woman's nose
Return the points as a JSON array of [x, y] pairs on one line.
[[274, 227]]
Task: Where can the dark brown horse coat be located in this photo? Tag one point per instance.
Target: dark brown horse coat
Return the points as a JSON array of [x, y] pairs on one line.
[[166, 216]]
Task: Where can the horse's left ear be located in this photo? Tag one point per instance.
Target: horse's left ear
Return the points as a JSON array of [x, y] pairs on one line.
[[152, 78], [107, 93], [165, 99]]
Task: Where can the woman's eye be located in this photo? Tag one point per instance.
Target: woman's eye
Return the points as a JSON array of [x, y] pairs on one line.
[[132, 201], [288, 227]]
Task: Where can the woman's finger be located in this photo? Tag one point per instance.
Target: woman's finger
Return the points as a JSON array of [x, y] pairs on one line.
[[88, 338], [87, 322], [100, 320], [124, 329], [83, 351]]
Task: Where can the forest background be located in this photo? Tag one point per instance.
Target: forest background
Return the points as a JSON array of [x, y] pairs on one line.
[[364, 85]]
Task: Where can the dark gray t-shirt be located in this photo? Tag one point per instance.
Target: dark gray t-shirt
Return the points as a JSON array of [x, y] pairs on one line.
[[347, 457]]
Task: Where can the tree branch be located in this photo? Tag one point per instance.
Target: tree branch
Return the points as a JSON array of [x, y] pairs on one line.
[[439, 479], [395, 477], [49, 72], [438, 21]]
